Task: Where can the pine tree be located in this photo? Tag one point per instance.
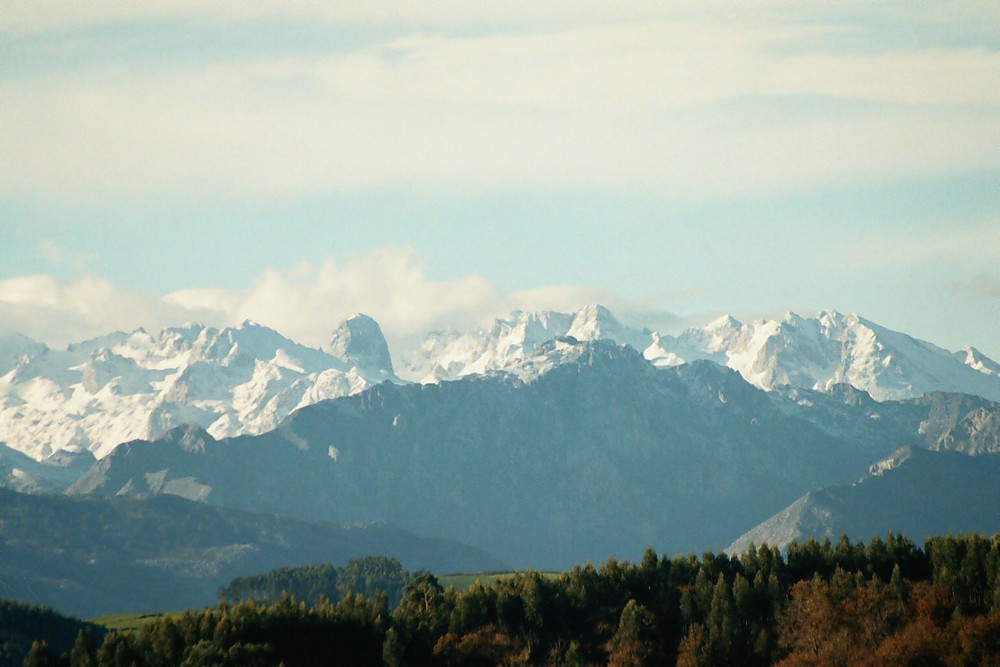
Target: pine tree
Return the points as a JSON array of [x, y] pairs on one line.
[[633, 644], [41, 655], [84, 652], [721, 622]]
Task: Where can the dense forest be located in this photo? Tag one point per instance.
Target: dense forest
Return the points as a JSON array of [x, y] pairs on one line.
[[22, 624], [313, 583], [887, 602]]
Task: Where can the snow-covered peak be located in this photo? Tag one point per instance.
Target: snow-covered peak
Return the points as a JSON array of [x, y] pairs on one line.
[[831, 319], [510, 342], [99, 393], [566, 350], [14, 347], [812, 352], [661, 351], [828, 349], [717, 336], [723, 325], [358, 341], [593, 322], [976, 360], [245, 379]]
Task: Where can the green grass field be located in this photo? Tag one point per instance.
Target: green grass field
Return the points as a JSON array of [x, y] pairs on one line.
[[130, 622]]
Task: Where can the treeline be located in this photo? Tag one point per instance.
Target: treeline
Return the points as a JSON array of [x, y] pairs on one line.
[[22, 624], [366, 576], [887, 602]]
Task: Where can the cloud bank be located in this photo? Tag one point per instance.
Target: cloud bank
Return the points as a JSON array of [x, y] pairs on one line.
[[308, 300], [678, 103], [304, 302]]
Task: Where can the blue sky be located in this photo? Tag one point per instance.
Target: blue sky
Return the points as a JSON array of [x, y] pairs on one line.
[[439, 164]]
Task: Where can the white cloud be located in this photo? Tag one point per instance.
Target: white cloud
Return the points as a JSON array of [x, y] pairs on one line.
[[66, 15], [389, 284], [58, 311], [304, 302], [63, 15], [683, 106]]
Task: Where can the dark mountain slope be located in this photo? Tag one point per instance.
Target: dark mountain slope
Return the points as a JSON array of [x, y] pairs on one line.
[[602, 455], [89, 556], [914, 492], [20, 472]]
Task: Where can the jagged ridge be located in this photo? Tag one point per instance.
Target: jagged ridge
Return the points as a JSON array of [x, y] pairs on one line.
[[246, 379]]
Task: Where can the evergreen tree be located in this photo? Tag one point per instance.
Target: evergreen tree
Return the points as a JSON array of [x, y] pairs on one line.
[[41, 655], [633, 644], [721, 623], [84, 652]]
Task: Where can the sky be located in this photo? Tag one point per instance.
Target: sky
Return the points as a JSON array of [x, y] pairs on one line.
[[445, 163]]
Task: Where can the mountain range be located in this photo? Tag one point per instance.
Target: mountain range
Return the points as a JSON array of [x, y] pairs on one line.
[[545, 440], [246, 379], [814, 353], [602, 454]]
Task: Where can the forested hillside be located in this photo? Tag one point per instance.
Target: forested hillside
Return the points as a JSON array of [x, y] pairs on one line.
[[366, 576], [887, 602], [23, 625]]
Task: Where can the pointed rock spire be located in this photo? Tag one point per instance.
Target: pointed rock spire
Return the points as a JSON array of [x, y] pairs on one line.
[[358, 341]]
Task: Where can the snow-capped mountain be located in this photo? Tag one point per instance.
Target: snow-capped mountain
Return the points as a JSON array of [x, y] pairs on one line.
[[511, 343], [14, 347], [245, 380], [54, 474], [359, 342], [807, 352], [99, 393], [972, 357], [829, 349]]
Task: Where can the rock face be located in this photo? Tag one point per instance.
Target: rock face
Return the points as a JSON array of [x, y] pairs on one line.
[[914, 492], [359, 342], [978, 432]]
